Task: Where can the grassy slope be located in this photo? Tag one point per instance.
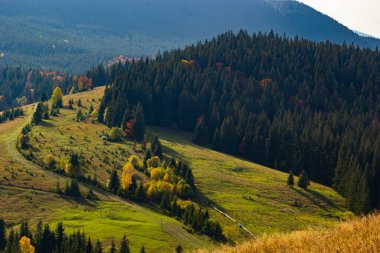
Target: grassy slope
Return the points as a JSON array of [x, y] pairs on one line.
[[361, 235], [27, 191], [225, 180]]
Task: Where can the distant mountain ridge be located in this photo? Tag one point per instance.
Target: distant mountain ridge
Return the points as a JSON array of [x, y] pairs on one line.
[[75, 34]]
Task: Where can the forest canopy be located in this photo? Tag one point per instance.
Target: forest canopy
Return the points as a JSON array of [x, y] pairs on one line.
[[287, 103]]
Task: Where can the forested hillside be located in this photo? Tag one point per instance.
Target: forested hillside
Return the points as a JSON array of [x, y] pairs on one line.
[[74, 35], [20, 86], [287, 103]]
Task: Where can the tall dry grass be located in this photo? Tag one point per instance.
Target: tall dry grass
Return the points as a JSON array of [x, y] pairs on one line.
[[357, 236]]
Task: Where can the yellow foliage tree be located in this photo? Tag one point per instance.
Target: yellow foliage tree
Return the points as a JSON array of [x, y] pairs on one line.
[[156, 189], [26, 246], [126, 176], [56, 98], [157, 174], [166, 177], [136, 162], [150, 191]]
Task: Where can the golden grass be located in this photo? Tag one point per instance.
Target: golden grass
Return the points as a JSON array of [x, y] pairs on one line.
[[359, 235]]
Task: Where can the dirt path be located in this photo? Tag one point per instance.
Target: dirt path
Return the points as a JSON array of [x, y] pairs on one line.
[[234, 220]]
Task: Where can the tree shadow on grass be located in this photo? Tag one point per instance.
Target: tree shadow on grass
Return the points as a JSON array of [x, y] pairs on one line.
[[79, 200], [324, 199], [175, 154], [304, 194], [46, 124]]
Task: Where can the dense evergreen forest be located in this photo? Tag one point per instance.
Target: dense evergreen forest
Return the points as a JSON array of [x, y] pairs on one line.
[[287, 103], [19, 86]]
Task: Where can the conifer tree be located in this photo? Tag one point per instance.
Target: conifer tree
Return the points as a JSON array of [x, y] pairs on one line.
[[124, 245], [89, 247], [303, 180], [98, 247], [3, 238], [114, 182], [37, 116], [179, 249], [290, 178], [59, 233], [200, 132], [113, 247], [140, 193], [139, 123]]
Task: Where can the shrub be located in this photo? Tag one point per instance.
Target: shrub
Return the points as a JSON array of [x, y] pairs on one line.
[[116, 134]]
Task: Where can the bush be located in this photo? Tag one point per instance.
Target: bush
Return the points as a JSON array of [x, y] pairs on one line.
[[116, 134]]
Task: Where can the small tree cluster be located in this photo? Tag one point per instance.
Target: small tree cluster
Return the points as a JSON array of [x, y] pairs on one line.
[[72, 188], [11, 114], [23, 139], [46, 240], [199, 220], [73, 167]]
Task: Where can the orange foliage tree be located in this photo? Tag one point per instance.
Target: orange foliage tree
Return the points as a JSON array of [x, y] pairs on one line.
[[84, 83], [26, 246], [126, 176]]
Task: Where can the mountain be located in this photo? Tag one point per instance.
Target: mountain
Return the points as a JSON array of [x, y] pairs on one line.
[[75, 34]]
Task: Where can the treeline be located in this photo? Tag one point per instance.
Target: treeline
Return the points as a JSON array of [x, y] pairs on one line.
[[43, 239], [11, 114], [286, 103], [19, 86]]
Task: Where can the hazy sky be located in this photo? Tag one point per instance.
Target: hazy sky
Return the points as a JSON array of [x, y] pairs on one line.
[[359, 15]]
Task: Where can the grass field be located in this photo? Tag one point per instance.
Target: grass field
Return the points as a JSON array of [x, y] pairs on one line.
[[256, 196], [28, 192], [359, 235]]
